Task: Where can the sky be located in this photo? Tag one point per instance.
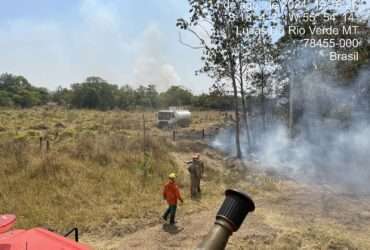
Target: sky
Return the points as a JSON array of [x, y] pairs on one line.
[[59, 42], [56, 43]]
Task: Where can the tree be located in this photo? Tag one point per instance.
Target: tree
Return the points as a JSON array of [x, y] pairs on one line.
[[16, 90], [153, 96], [213, 100], [5, 99], [95, 92], [125, 98], [299, 14], [221, 45], [176, 96], [147, 96], [262, 57], [62, 96]]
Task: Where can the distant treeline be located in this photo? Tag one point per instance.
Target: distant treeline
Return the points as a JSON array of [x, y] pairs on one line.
[[97, 93]]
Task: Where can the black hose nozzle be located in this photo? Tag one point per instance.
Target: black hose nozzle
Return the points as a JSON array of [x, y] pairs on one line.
[[229, 218], [235, 208]]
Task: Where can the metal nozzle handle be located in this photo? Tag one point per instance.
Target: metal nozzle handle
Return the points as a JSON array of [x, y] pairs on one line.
[[230, 216]]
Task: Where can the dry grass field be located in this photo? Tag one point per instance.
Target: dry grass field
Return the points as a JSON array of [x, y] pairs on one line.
[[94, 172], [97, 177]]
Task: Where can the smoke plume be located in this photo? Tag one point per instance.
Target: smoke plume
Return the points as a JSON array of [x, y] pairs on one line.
[[331, 142]]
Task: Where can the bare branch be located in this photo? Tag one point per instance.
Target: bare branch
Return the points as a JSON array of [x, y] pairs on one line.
[[189, 45], [204, 30]]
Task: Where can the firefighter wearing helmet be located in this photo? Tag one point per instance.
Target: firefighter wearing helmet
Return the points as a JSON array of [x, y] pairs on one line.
[[196, 170], [171, 193]]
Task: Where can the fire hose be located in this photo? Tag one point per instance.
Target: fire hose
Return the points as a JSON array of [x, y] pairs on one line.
[[229, 218]]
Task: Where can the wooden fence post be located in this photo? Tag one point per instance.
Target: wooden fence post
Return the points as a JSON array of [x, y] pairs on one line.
[[144, 135], [47, 145]]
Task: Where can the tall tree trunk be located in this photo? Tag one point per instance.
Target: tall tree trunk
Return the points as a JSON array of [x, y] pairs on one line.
[[263, 103], [291, 113], [236, 105], [245, 113], [237, 121]]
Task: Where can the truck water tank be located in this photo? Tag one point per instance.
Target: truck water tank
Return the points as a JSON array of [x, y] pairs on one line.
[[182, 115]]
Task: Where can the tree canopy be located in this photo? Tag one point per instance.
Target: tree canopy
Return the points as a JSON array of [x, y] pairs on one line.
[[97, 93], [17, 91]]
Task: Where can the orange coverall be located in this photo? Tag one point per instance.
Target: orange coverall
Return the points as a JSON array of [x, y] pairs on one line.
[[171, 194]]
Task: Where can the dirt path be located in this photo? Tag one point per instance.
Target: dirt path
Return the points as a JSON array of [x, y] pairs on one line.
[[288, 221], [185, 235], [288, 215]]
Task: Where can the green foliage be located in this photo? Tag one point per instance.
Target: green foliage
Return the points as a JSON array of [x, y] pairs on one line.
[[125, 97], [97, 93], [17, 91], [176, 96], [212, 101], [147, 97], [62, 96], [6, 98], [94, 93]]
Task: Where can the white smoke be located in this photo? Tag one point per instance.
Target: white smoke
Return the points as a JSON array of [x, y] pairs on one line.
[[331, 143], [150, 67], [97, 40]]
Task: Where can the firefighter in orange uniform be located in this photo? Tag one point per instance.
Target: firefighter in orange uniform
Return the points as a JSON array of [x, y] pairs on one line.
[[171, 194]]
